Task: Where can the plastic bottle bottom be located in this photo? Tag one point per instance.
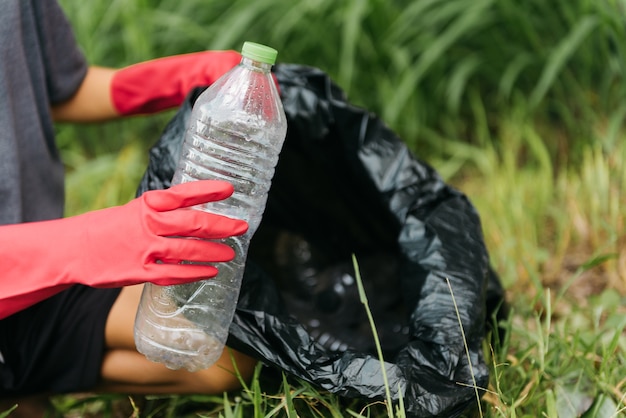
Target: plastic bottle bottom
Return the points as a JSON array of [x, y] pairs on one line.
[[177, 347]]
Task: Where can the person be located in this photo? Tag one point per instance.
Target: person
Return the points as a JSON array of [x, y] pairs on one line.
[[69, 288]]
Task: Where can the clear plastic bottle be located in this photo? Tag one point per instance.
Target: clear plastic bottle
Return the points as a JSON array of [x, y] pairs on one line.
[[236, 131]]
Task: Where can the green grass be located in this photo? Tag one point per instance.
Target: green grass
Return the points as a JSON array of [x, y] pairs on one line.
[[420, 64], [518, 104]]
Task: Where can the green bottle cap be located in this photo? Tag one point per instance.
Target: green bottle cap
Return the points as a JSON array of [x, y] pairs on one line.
[[258, 52]]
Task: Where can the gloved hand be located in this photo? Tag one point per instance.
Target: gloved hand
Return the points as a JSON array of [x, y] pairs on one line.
[[142, 241], [163, 83]]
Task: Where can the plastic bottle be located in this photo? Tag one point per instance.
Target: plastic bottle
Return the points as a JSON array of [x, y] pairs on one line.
[[236, 131]]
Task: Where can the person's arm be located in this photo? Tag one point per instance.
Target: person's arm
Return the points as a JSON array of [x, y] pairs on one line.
[[92, 102], [146, 240], [143, 88]]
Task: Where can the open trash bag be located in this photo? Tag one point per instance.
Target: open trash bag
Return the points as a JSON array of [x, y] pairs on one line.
[[346, 185]]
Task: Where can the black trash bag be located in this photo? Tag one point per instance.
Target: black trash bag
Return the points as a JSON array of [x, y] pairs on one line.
[[345, 184]]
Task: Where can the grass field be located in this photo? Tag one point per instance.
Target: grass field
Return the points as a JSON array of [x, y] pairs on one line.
[[519, 105]]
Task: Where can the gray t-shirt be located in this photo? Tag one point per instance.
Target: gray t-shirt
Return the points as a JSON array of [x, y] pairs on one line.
[[40, 64]]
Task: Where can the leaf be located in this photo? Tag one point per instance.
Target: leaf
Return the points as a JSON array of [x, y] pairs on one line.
[[566, 48], [571, 401], [458, 81], [551, 410], [288, 398], [596, 261], [352, 32], [8, 412], [602, 407]]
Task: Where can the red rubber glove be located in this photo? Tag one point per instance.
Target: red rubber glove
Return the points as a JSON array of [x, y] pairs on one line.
[[118, 246], [163, 83]]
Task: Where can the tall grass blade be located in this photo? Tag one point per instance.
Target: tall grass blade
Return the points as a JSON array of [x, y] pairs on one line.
[[562, 53], [469, 359], [459, 80], [352, 32], [6, 413], [512, 73], [364, 301], [463, 22], [288, 398]]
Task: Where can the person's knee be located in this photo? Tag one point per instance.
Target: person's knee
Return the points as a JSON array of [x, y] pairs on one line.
[[229, 371], [129, 371], [123, 366]]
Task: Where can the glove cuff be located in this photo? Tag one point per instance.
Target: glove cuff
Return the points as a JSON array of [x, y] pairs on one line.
[[163, 83]]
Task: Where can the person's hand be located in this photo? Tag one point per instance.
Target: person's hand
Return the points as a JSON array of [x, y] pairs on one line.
[[146, 240], [163, 83]]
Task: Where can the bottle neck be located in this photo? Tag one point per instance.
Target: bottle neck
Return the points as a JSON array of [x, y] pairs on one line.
[[256, 65]]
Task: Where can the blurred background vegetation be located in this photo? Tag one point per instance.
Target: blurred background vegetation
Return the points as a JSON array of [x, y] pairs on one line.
[[520, 104], [429, 68]]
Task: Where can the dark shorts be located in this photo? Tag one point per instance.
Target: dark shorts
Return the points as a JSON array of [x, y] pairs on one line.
[[57, 345]]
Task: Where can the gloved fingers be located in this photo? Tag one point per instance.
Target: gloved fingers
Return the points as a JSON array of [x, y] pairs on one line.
[[195, 223], [173, 274], [188, 194], [176, 250], [164, 274]]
